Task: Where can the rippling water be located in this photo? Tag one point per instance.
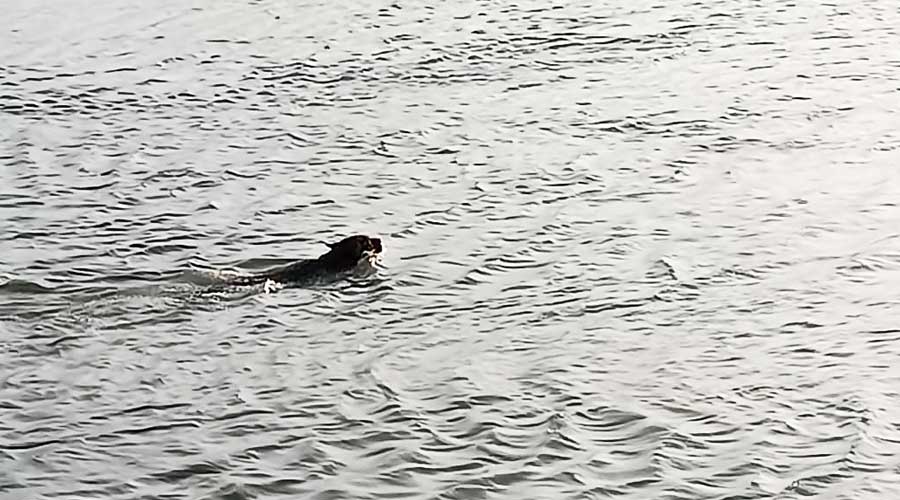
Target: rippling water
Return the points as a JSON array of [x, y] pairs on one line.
[[632, 249]]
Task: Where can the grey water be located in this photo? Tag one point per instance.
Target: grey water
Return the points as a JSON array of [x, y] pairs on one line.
[[632, 249]]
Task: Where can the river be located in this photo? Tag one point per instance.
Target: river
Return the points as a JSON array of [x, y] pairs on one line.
[[632, 249]]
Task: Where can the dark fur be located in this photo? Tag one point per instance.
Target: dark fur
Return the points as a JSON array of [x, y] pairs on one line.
[[343, 256]]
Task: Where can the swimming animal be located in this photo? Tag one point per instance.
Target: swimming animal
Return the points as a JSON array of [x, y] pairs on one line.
[[351, 253]]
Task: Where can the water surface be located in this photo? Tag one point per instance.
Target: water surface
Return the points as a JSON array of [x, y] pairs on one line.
[[632, 250]]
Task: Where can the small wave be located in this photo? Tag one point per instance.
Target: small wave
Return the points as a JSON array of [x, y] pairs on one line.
[[24, 287]]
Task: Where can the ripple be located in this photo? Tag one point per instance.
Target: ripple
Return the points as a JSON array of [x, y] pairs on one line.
[[629, 251]]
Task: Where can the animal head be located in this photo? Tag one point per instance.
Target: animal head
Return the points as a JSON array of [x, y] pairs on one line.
[[352, 251]]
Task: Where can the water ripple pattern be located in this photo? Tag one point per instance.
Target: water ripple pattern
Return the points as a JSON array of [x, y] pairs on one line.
[[633, 249]]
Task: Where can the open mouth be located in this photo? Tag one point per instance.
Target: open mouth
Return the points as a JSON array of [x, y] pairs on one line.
[[373, 254], [370, 257]]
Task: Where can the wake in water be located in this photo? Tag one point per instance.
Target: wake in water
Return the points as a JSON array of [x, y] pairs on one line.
[[353, 257], [353, 254]]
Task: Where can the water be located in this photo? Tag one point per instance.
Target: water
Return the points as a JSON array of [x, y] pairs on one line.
[[632, 250]]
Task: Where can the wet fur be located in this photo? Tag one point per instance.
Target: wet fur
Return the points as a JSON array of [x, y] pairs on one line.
[[345, 255]]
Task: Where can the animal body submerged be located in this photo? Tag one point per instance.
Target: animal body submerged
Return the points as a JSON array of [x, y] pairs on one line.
[[346, 255]]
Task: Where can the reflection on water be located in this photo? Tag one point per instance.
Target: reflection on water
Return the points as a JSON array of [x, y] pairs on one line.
[[632, 249]]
